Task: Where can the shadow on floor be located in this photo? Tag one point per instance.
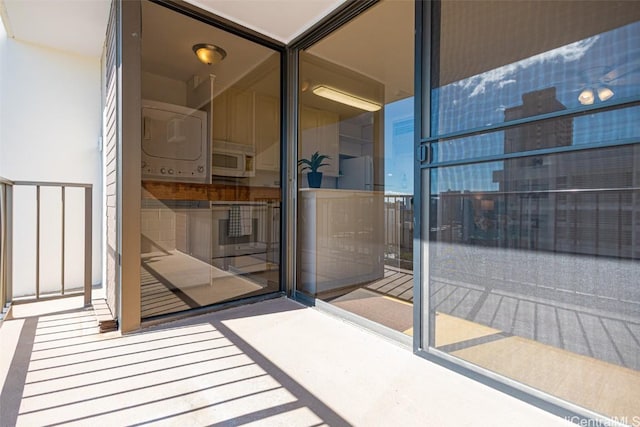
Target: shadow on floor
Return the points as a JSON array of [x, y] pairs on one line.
[[192, 372]]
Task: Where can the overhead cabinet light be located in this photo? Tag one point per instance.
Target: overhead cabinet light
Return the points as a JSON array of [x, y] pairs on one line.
[[346, 98]]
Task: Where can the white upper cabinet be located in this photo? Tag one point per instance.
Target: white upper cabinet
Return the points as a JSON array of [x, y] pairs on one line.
[[233, 116], [267, 132], [319, 132]]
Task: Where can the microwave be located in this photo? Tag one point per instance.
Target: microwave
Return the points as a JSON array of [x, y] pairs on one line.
[[231, 159]]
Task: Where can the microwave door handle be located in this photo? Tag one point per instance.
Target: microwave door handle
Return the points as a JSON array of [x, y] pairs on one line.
[[243, 164]]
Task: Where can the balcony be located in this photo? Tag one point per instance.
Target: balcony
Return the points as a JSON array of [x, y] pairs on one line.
[[270, 363]]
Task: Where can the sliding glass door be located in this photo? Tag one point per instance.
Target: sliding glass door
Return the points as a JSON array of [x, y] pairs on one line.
[[533, 203], [210, 144], [356, 160]]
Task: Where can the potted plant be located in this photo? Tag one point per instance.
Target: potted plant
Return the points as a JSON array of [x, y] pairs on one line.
[[312, 165]]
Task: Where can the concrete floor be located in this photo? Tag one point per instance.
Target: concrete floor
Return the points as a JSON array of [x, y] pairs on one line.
[[270, 363]]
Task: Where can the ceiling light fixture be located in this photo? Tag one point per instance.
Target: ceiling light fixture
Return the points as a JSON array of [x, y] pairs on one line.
[[604, 93], [209, 53], [346, 98], [588, 97]]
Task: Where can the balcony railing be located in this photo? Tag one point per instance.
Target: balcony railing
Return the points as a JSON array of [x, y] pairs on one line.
[[17, 200], [6, 188], [398, 216]]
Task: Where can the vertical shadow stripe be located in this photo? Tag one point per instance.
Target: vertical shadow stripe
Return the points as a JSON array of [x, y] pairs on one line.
[[13, 388]]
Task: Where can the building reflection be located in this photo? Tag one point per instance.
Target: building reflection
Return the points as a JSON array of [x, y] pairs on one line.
[[550, 247], [576, 202]]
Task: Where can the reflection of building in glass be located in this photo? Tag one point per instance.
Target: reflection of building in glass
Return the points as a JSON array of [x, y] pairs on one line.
[[595, 213], [525, 182], [577, 202], [541, 134]]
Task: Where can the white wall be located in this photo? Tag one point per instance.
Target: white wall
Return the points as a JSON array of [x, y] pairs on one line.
[[3, 62], [164, 89], [50, 124]]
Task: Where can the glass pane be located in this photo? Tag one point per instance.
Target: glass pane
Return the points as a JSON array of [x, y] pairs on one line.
[[533, 261], [534, 271], [355, 222], [497, 59], [4, 297], [210, 143], [601, 128]]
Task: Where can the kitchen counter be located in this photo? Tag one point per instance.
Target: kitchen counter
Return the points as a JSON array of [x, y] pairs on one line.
[[341, 239], [337, 192], [214, 192]]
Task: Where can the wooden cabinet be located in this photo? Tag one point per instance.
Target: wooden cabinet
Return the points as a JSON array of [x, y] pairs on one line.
[[267, 132], [319, 132], [233, 116]]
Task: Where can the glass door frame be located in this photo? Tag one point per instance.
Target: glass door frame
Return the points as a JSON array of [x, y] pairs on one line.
[[129, 176], [344, 14], [427, 12]]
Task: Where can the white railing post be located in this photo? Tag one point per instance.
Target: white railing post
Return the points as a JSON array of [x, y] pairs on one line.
[[8, 267], [37, 241], [88, 243], [6, 245], [62, 193]]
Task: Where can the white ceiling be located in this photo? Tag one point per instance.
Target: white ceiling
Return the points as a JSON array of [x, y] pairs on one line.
[[76, 26], [282, 20], [79, 26]]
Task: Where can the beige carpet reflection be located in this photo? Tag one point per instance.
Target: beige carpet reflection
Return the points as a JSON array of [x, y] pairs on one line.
[[385, 310]]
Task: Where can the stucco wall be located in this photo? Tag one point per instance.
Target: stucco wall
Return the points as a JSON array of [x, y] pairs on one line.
[[50, 124], [3, 62]]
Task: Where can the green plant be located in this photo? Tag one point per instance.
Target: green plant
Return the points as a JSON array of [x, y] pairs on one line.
[[315, 162]]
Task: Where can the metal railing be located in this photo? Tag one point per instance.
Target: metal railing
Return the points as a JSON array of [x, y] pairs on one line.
[[398, 217], [9, 208], [6, 192]]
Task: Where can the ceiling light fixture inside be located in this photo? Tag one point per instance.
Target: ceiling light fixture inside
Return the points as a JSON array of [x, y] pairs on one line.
[[586, 97], [209, 53], [346, 98], [604, 93]]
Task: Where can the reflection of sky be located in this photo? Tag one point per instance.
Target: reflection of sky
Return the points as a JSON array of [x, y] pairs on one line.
[[611, 59], [398, 147]]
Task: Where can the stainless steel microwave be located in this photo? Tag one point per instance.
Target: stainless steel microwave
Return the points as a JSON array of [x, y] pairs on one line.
[[231, 159]]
